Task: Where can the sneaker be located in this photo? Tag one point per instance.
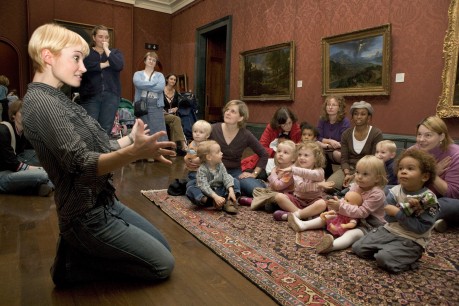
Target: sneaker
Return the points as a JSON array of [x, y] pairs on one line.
[[294, 223], [280, 215], [325, 245], [440, 226], [245, 201], [45, 190], [230, 208]]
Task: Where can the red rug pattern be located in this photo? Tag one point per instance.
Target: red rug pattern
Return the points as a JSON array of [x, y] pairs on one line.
[[284, 264]]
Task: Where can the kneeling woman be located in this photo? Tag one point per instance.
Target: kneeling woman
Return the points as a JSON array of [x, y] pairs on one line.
[[99, 236]]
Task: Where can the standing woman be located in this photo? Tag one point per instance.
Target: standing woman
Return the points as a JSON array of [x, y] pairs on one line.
[[100, 90], [100, 238], [332, 124], [433, 137], [356, 142], [171, 99], [150, 84]]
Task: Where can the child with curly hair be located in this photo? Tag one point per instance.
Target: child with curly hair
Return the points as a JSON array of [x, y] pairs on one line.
[[410, 214], [307, 199]]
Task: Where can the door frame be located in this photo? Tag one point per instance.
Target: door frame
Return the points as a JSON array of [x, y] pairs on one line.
[[200, 60]]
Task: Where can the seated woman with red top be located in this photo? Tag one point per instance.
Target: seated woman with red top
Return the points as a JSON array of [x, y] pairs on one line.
[[283, 123]]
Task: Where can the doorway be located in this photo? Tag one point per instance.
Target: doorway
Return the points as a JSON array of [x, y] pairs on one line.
[[213, 58], [11, 65]]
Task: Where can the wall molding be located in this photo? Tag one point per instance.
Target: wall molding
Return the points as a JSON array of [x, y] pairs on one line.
[[163, 6]]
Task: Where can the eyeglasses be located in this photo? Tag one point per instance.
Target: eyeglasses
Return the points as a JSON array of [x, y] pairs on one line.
[[151, 59]]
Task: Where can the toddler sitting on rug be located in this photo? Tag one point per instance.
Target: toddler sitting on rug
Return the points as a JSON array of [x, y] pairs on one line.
[[410, 214], [213, 185], [370, 180]]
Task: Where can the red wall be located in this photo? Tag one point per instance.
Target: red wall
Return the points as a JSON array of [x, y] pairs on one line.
[[418, 30]]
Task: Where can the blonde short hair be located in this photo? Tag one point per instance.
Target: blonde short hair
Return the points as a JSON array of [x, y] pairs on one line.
[[53, 37], [290, 144], [388, 144], [204, 125], [204, 149], [243, 111], [374, 165], [317, 151]]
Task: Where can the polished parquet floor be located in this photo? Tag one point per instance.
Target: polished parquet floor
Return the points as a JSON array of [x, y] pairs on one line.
[[28, 233]]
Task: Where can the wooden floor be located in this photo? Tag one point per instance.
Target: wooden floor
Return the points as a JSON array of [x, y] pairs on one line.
[[28, 233]]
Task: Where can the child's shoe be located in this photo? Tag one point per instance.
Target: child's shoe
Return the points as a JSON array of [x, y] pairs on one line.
[[245, 201], [325, 245], [229, 207], [294, 222], [280, 215], [440, 226]]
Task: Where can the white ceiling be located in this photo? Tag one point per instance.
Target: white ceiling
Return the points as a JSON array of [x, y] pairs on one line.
[[164, 6]]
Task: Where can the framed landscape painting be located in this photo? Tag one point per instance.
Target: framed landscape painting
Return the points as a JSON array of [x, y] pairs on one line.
[[357, 63], [267, 73]]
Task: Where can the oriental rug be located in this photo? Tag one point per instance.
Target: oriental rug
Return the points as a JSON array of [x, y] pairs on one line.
[[284, 263]]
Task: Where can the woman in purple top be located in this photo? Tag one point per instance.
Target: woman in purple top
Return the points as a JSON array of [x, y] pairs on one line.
[[433, 137], [332, 123]]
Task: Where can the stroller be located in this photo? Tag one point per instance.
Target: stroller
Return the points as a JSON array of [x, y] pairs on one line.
[[187, 110], [124, 119]]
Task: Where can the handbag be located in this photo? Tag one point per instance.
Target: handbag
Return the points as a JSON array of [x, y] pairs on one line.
[[140, 106]]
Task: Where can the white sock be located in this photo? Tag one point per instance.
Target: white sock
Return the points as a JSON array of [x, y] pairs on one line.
[[310, 224], [347, 239]]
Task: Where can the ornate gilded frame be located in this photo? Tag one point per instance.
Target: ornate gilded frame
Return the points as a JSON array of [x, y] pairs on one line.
[[267, 73], [357, 63], [448, 106]]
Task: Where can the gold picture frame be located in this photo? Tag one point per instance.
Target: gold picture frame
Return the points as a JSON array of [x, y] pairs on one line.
[[448, 105], [357, 63], [267, 73], [85, 30]]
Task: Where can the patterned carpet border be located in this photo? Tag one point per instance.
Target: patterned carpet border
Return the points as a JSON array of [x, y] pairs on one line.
[[285, 266]]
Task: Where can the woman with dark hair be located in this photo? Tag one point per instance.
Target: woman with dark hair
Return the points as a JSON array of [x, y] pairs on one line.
[[100, 90], [356, 142], [19, 168], [332, 124], [171, 107], [433, 137], [284, 123]]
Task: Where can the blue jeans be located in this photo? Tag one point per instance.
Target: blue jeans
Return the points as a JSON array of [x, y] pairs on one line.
[[449, 210], [155, 119], [195, 194], [103, 108], [23, 182], [116, 243], [247, 184]]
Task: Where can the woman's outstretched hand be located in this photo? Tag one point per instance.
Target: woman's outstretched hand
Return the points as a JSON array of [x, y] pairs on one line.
[[148, 146]]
